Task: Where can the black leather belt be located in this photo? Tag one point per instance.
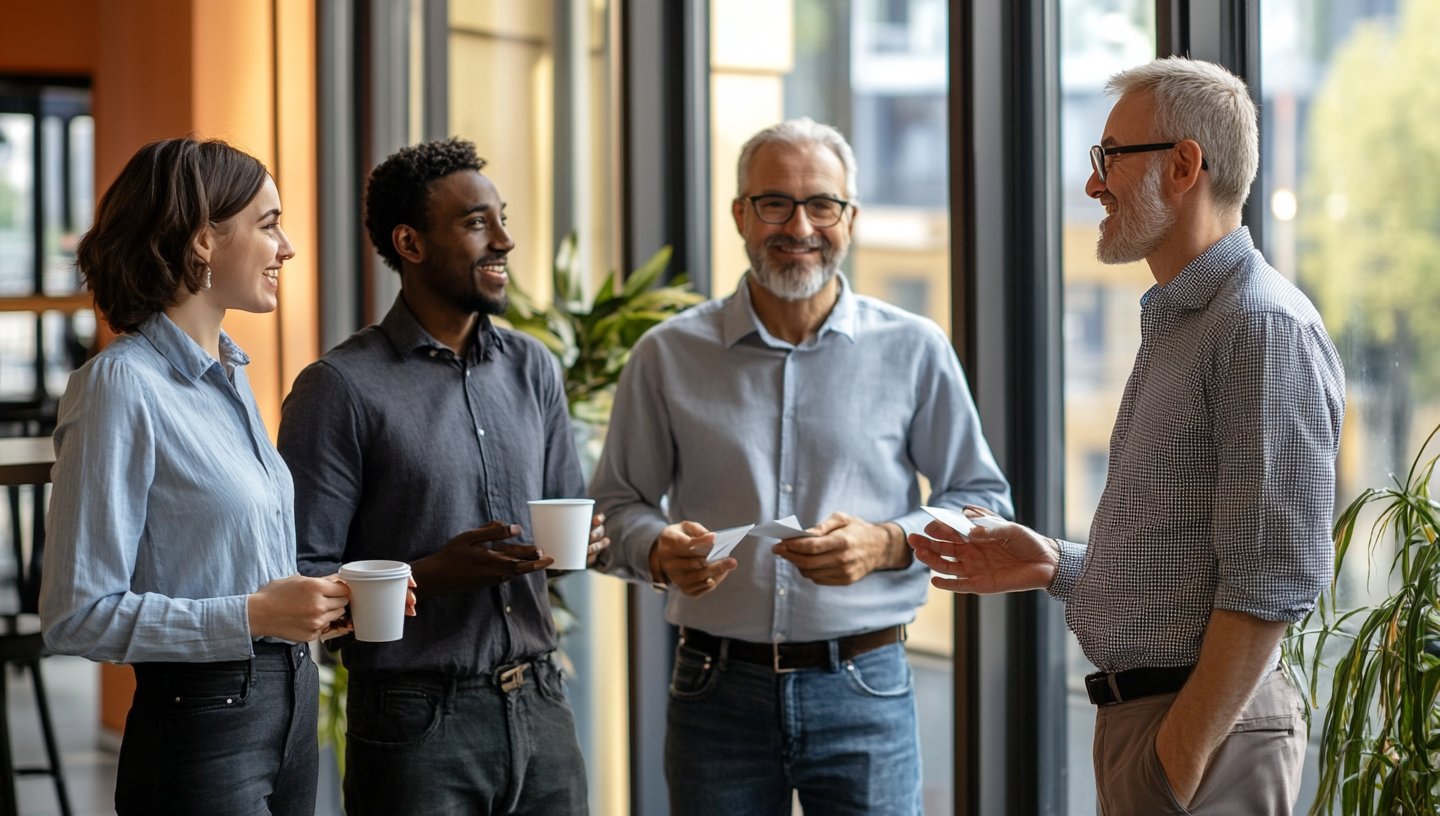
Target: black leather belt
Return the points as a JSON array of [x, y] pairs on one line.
[[1122, 687], [788, 657]]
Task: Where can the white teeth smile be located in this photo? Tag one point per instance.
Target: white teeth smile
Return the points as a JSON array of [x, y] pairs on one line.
[[273, 275]]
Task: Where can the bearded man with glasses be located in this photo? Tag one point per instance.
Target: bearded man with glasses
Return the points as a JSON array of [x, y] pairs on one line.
[[1213, 533], [792, 397]]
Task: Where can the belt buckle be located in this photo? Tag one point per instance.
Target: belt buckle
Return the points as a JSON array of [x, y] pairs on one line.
[[775, 651], [513, 678]]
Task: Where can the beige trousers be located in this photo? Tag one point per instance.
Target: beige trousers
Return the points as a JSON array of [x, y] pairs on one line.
[[1255, 772]]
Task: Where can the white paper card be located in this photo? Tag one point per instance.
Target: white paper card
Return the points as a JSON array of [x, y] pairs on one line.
[[788, 527], [725, 541], [961, 523], [956, 521]]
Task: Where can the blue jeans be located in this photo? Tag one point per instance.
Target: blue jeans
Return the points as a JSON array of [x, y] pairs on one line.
[[427, 743], [223, 739], [740, 737]]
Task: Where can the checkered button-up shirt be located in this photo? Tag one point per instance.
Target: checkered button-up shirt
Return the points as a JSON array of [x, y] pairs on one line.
[[1221, 488]]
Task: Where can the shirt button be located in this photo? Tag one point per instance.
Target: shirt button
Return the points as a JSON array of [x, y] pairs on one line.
[[507, 610], [480, 431], [786, 488], [433, 352], [467, 372], [782, 593]]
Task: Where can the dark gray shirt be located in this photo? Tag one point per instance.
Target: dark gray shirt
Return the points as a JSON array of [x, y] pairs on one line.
[[1221, 488], [396, 445]]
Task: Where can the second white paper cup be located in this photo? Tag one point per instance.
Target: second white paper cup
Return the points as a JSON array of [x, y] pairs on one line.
[[562, 530], [377, 598]]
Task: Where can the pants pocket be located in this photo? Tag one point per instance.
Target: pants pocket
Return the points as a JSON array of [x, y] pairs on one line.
[[883, 672], [200, 689], [694, 674], [393, 717]]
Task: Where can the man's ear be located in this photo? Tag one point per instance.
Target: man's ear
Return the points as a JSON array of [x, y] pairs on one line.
[[1186, 164], [737, 209], [408, 243]]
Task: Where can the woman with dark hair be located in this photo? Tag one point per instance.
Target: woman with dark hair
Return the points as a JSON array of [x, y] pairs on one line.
[[172, 543]]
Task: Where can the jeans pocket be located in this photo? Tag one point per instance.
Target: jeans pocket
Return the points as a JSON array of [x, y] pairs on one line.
[[550, 676], [883, 672], [200, 689], [393, 716], [694, 674]]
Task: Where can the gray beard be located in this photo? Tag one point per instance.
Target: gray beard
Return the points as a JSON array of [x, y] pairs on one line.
[[1137, 229], [796, 281]]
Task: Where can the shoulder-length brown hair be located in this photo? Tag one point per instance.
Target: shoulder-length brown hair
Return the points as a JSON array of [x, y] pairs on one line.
[[141, 249]]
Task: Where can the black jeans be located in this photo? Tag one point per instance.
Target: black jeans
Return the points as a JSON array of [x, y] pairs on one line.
[[426, 743], [236, 737]]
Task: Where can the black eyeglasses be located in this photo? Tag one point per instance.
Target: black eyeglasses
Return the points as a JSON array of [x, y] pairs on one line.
[[823, 211], [1098, 154]]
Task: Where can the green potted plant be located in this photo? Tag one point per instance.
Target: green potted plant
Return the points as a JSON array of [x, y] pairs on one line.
[[1380, 740]]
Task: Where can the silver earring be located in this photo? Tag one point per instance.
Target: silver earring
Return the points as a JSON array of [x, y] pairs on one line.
[[206, 284]]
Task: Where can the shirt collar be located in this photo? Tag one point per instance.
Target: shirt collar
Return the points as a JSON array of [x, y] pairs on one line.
[[740, 321], [406, 334], [1198, 282], [182, 352]]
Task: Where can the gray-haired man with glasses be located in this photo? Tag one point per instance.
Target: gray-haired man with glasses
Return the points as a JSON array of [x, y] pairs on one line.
[[792, 397], [1213, 531]]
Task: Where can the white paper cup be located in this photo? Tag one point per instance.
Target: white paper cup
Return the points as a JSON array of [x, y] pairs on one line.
[[377, 598], [562, 530]]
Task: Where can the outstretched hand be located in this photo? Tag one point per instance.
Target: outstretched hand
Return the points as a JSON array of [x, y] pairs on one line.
[[1005, 557], [477, 558]]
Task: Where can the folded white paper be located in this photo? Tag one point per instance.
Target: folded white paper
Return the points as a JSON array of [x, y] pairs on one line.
[[961, 523], [788, 527], [725, 541]]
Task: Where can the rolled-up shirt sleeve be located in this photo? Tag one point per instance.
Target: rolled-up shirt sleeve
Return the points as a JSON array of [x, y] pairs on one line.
[[946, 442], [105, 448], [635, 470], [1277, 430]]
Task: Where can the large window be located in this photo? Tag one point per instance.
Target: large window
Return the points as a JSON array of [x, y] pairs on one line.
[[1102, 307], [876, 70], [47, 189], [1351, 201], [530, 84]]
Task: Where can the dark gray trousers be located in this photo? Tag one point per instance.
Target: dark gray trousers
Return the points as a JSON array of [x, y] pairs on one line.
[[426, 743], [222, 739], [1256, 770]]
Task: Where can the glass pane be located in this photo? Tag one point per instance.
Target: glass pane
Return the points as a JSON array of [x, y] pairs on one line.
[[1351, 205], [17, 206], [877, 71], [1102, 307], [60, 237], [17, 356], [512, 67]]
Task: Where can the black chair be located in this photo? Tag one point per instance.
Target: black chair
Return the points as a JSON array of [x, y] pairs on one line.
[[24, 650]]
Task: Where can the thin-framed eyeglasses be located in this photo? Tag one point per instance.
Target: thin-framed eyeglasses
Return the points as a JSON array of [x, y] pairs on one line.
[[777, 208], [1098, 154]]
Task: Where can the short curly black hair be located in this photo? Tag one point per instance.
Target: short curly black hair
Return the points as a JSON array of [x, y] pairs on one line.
[[399, 188]]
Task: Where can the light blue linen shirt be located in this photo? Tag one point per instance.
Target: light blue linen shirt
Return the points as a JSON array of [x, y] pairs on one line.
[[736, 426], [169, 505]]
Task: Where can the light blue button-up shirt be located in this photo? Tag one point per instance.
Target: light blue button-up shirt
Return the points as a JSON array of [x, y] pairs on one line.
[[736, 426], [169, 504]]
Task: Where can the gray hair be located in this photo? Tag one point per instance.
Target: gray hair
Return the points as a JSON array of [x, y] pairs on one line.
[[1204, 102], [802, 131]]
